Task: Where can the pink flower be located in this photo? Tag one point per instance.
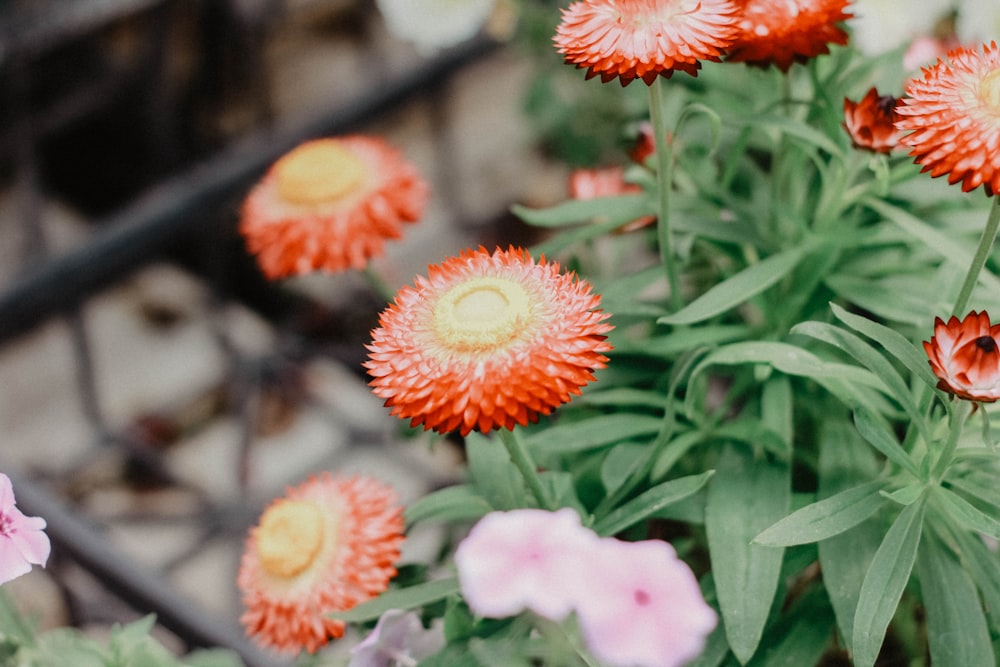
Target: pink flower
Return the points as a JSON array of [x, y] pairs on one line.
[[22, 542], [642, 606], [524, 559]]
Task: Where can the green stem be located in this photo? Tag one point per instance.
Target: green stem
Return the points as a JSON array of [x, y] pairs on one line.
[[664, 174], [521, 458], [958, 416], [378, 285], [979, 260]]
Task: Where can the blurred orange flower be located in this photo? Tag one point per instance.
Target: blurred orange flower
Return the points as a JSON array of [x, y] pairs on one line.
[[954, 112], [965, 356], [327, 545], [644, 39], [606, 182], [870, 122], [330, 204], [487, 340], [782, 32]]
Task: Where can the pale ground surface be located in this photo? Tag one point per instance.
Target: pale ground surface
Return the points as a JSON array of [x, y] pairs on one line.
[[142, 368]]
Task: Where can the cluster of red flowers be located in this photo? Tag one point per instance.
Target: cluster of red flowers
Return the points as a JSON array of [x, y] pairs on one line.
[[644, 39]]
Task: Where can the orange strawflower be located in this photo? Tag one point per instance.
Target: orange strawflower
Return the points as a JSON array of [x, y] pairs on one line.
[[954, 112], [329, 205], [606, 182], [870, 122], [644, 39], [965, 356], [328, 545], [782, 32], [487, 341]]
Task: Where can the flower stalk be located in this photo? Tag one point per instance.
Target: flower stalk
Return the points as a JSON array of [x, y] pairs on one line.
[[664, 176], [525, 464], [979, 259]]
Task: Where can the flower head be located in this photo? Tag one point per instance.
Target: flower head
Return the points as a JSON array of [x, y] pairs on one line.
[[399, 638], [642, 606], [487, 340], [606, 182], [326, 546], [965, 356], [644, 39], [782, 32], [524, 559], [954, 112], [330, 204], [22, 540], [870, 122]]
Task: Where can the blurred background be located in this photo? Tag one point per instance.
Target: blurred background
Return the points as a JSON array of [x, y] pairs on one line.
[[157, 391]]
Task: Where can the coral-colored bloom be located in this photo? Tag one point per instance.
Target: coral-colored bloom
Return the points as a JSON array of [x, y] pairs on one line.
[[487, 341], [330, 204], [870, 122], [524, 559], [642, 606], [644, 39], [606, 182], [782, 32], [954, 112], [22, 542], [326, 546], [965, 356]]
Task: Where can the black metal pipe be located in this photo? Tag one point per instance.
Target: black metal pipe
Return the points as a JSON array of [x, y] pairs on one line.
[[145, 590], [181, 205]]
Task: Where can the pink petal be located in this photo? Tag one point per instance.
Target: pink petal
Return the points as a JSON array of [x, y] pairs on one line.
[[12, 563]]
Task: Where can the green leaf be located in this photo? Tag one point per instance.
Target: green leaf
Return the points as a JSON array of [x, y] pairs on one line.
[[402, 598], [745, 496], [884, 583], [454, 503], [844, 459], [571, 437], [981, 564], [789, 126], [956, 626], [965, 513], [737, 288], [825, 518], [877, 432], [622, 462], [495, 476], [894, 343], [620, 209], [801, 636], [650, 502]]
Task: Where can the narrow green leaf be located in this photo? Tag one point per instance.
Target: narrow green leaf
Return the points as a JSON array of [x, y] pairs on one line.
[[569, 437], [789, 126], [894, 343], [620, 209], [877, 432], [738, 288], [402, 598], [650, 502], [801, 636], [956, 625], [454, 503], [494, 475], [883, 585], [622, 462], [844, 459], [965, 513], [825, 518], [981, 564], [908, 494], [746, 496]]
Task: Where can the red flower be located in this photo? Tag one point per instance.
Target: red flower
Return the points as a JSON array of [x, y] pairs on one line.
[[780, 32], [328, 545], [487, 341], [606, 182], [954, 112], [965, 356], [330, 205], [870, 122], [644, 39]]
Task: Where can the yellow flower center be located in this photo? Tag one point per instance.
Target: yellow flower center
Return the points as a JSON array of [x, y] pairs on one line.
[[317, 172], [989, 91], [289, 537], [482, 313]]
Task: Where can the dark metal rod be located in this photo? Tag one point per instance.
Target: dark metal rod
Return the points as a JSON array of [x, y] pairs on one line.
[[144, 589], [181, 205]]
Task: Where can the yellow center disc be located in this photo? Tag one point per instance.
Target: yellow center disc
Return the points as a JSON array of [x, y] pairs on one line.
[[289, 537], [989, 91], [481, 313], [317, 172]]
